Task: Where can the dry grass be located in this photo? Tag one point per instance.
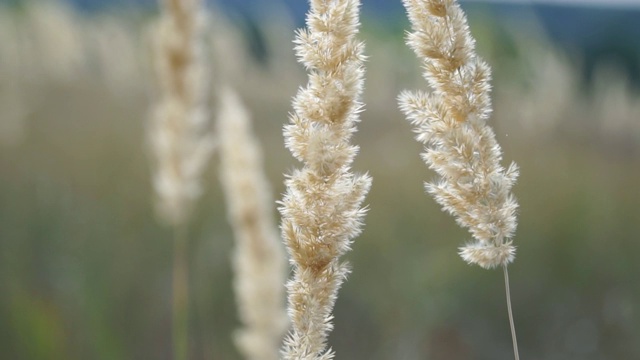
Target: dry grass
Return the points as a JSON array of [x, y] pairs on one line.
[[259, 259], [322, 209], [451, 122], [83, 263]]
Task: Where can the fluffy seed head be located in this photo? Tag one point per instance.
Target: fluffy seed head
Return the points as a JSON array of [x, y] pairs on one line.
[[450, 121], [180, 141], [259, 260], [322, 208]]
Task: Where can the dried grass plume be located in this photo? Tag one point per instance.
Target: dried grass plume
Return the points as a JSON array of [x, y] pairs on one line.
[[259, 260], [180, 139], [451, 122], [322, 208]]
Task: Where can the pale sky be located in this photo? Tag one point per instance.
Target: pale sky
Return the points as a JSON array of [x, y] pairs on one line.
[[607, 3]]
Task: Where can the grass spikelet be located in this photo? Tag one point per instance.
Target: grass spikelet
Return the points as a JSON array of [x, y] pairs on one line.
[[322, 207], [180, 140], [259, 259], [459, 145], [179, 134]]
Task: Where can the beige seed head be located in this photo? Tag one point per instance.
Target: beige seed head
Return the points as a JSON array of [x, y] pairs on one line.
[[322, 209], [451, 122], [259, 259], [180, 140]]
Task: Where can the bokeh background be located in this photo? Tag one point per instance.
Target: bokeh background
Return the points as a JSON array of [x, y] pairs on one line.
[[85, 267]]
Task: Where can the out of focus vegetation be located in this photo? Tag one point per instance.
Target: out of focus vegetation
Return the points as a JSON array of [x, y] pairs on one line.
[[85, 267]]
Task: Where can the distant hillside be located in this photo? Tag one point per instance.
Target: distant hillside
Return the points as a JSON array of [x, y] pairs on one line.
[[595, 33], [584, 26]]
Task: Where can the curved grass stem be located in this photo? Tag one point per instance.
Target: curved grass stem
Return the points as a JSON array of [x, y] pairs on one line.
[[180, 305], [513, 328]]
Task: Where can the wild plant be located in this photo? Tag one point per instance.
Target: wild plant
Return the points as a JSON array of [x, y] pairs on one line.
[[322, 208], [260, 267], [179, 138], [451, 122]]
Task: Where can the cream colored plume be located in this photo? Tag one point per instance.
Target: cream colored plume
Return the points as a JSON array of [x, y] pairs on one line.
[[259, 259], [322, 208], [179, 133], [451, 122]]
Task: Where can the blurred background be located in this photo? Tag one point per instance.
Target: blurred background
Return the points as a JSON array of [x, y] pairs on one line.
[[85, 267]]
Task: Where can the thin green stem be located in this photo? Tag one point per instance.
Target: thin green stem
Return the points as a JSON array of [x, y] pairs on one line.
[[180, 306], [513, 328]]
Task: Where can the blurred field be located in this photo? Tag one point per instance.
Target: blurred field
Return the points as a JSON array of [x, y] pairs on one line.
[[85, 267]]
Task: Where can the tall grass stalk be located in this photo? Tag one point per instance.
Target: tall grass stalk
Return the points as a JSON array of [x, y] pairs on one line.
[[259, 260], [511, 324], [321, 209], [180, 141], [451, 122], [180, 291]]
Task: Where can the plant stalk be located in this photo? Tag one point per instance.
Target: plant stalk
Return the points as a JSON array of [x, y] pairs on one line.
[[180, 306], [513, 328]]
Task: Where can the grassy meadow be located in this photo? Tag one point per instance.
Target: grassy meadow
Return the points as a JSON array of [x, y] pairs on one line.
[[85, 266]]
